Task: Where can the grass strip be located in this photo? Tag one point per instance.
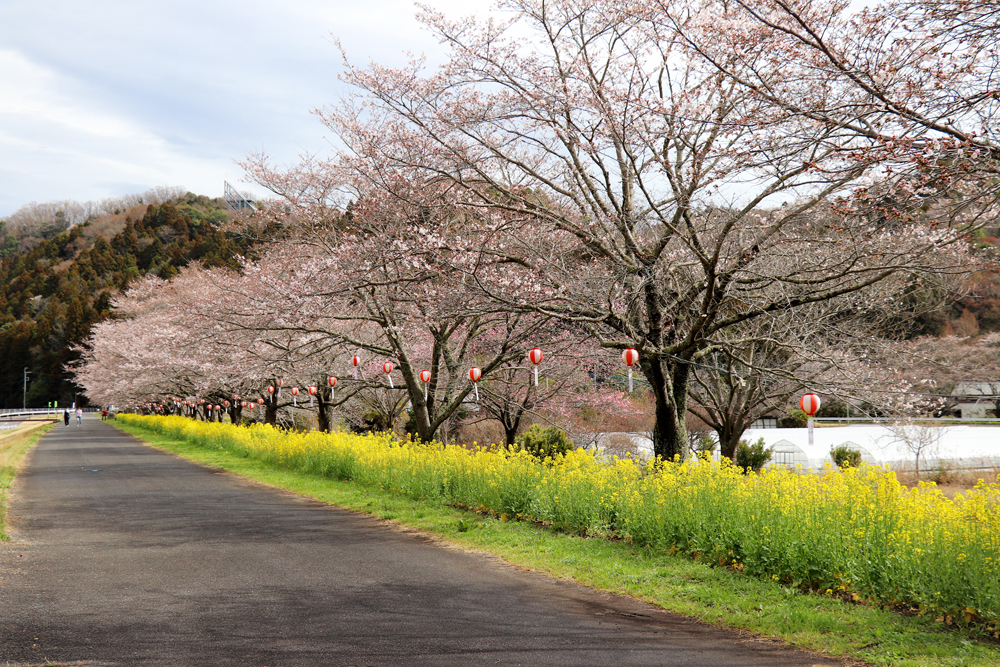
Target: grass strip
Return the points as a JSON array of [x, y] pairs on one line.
[[12, 452], [676, 583]]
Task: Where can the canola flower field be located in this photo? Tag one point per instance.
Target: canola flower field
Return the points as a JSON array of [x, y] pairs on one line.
[[857, 533]]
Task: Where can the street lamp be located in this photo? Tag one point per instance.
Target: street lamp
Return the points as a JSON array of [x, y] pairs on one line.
[[24, 391]]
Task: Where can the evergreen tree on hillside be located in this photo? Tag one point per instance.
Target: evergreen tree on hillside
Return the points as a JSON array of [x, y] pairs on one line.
[[53, 291]]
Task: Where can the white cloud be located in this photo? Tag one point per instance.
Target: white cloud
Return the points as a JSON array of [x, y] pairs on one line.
[[107, 97]]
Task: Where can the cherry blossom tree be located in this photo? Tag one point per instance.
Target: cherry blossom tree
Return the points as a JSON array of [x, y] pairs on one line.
[[936, 366], [908, 85], [392, 277], [513, 397], [628, 166]]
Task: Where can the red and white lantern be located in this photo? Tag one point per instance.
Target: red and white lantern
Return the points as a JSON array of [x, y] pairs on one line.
[[535, 356], [332, 381], [270, 389], [243, 404], [810, 403], [474, 374], [312, 392], [355, 360], [631, 357], [260, 401], [425, 377], [387, 369], [225, 404], [295, 393]]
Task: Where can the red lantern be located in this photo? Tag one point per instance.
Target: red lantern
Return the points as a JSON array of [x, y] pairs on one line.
[[260, 401], [270, 389], [536, 358], [332, 381], [295, 391], [226, 403], [387, 367], [425, 377], [355, 360], [280, 382], [235, 397], [630, 356], [810, 403], [474, 374], [312, 391], [201, 401], [243, 404]]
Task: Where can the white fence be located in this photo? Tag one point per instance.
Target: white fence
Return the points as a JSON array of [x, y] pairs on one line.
[[953, 445]]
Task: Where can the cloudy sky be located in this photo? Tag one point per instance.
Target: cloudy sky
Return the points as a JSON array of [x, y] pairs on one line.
[[113, 97]]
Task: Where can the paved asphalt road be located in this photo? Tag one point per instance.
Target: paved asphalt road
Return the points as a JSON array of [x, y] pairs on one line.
[[123, 555]]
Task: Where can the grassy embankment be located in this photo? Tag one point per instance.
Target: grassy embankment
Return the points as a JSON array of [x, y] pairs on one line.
[[13, 449], [717, 595]]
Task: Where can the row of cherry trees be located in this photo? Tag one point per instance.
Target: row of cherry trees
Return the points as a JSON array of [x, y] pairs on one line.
[[747, 193]]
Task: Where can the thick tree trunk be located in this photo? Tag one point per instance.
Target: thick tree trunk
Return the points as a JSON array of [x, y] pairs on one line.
[[421, 413], [669, 432], [324, 409], [323, 416], [729, 440], [669, 383]]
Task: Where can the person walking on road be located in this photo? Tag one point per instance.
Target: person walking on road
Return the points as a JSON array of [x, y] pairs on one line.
[[79, 416], [66, 416]]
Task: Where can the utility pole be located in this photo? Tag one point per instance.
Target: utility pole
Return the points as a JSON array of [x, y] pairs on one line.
[[24, 392]]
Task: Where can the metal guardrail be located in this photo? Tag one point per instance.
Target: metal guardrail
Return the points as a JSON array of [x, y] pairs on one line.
[[33, 412]]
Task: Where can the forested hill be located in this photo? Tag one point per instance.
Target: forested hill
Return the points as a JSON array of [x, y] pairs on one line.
[[54, 286]]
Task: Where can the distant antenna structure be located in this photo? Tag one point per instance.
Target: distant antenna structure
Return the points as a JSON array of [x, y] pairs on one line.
[[236, 201]]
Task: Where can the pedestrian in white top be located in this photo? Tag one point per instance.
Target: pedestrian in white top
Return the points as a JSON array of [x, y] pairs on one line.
[[79, 416]]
